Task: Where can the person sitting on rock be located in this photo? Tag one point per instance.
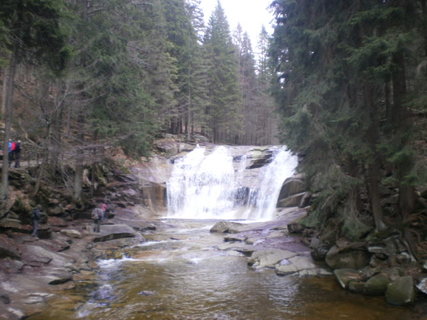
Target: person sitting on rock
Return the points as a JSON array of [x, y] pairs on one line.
[[97, 215]]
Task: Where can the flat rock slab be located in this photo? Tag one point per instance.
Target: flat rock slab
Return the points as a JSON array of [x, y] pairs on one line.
[[36, 256], [116, 231], [269, 258], [294, 265]]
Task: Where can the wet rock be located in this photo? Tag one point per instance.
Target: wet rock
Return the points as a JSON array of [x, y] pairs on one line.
[[401, 291], [8, 248], [269, 258], [236, 238], [260, 158], [318, 249], [290, 187], [294, 264], [4, 298], [71, 233], [422, 286], [37, 256], [11, 313], [112, 232], [227, 227], [344, 276], [376, 285], [36, 298], [9, 265], [337, 258], [14, 225], [356, 286], [291, 201], [295, 228], [56, 276]]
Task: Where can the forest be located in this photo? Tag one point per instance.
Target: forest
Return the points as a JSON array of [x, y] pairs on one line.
[[352, 92], [79, 75], [346, 79]]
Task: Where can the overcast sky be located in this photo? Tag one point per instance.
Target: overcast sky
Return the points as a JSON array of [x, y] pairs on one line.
[[251, 14]]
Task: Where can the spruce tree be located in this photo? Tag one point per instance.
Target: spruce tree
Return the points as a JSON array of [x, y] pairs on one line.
[[224, 104]]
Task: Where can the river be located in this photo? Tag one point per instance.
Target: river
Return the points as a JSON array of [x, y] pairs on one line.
[[181, 273]]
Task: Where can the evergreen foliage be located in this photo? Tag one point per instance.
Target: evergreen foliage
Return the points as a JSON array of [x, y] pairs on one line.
[[345, 87]]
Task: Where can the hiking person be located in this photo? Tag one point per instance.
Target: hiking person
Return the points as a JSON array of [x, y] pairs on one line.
[[35, 218], [104, 208], [17, 153], [96, 216]]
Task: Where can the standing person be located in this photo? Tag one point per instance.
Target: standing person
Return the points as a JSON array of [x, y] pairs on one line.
[[104, 208], [17, 154], [35, 218], [96, 215]]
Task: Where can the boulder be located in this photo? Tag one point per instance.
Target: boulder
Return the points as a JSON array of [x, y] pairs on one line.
[[37, 256], [235, 238], [294, 264], [291, 201], [401, 291], [227, 227], [56, 276], [8, 248], [9, 265], [290, 187], [71, 233], [422, 286], [260, 158], [376, 285], [356, 286], [269, 258], [337, 258], [295, 227], [116, 231], [345, 276]]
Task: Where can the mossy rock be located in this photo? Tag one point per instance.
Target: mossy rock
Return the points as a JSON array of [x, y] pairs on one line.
[[377, 285], [401, 291]]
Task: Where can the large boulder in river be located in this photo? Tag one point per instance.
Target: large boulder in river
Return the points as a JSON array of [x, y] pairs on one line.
[[116, 231], [338, 258], [376, 285], [401, 291], [346, 276], [227, 227], [268, 258]]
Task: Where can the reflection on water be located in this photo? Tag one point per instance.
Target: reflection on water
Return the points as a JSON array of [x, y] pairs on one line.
[[190, 279]]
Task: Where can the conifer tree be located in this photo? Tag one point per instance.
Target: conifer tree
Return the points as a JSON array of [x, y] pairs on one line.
[[224, 104], [32, 32]]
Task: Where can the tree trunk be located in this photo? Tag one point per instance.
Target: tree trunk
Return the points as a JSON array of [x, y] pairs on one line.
[[7, 107], [373, 175], [401, 126]]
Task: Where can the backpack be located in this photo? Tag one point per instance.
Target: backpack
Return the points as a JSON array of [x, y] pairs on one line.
[[96, 214], [36, 214]]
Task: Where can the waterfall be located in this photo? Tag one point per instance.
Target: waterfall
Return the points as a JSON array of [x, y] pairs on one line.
[[222, 184]]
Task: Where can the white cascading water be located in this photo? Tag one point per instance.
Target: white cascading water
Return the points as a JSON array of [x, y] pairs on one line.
[[206, 185]]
